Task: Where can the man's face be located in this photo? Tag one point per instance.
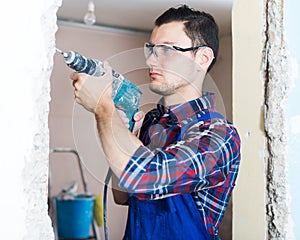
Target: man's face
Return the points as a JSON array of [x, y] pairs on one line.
[[170, 74]]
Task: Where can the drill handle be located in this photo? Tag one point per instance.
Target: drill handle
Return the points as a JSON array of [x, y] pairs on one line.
[[130, 116], [126, 97]]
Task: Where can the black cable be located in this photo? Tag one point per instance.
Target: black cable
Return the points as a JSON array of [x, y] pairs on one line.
[[108, 176]]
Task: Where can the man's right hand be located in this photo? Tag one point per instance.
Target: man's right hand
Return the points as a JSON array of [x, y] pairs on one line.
[[89, 91]]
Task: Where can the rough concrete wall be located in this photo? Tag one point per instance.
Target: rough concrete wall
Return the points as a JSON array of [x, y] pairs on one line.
[[27, 48], [276, 92], [35, 173]]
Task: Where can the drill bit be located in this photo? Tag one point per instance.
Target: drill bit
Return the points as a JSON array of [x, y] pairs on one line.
[[62, 52]]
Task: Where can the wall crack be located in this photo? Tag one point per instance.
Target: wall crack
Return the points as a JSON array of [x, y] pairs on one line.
[[276, 78]]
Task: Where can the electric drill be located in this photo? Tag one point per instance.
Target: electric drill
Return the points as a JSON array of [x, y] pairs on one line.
[[126, 95]]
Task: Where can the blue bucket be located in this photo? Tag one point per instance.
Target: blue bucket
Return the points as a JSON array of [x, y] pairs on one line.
[[74, 217]]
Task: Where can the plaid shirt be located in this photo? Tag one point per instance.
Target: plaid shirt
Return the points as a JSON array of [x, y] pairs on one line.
[[182, 154]]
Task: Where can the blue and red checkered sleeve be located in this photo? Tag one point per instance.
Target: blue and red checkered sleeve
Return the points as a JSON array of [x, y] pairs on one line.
[[201, 160]]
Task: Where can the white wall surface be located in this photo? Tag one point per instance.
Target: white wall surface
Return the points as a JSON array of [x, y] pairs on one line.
[[249, 220], [27, 48], [263, 210], [293, 111]]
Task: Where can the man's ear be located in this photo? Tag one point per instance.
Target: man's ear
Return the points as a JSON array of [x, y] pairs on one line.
[[204, 57]]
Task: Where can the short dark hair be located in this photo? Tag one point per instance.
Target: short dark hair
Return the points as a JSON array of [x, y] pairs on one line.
[[200, 26]]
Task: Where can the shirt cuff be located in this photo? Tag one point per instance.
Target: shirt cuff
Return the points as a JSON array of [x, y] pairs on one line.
[[135, 170]]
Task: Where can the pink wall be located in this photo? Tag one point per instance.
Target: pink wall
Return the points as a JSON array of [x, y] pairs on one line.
[[73, 127], [221, 77]]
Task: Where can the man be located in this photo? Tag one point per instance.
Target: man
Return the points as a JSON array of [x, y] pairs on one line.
[[180, 172]]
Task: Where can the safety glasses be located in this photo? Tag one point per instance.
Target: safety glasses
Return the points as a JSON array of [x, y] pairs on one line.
[[165, 50]]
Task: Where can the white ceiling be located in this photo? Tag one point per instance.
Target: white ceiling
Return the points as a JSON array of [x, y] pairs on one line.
[[140, 14]]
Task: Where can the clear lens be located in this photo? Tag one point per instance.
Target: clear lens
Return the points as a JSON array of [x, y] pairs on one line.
[[159, 50], [148, 50], [163, 50]]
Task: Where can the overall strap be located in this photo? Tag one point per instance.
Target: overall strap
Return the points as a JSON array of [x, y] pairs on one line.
[[205, 117]]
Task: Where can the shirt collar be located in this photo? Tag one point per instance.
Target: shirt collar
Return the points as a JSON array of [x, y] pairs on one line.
[[189, 109]]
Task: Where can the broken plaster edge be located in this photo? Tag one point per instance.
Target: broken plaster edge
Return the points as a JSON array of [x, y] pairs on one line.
[[277, 74]]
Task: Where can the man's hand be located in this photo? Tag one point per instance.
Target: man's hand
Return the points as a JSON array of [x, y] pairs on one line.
[[90, 91], [138, 120], [95, 95]]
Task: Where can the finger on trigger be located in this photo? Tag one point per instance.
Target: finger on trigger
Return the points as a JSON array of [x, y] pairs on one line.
[[139, 115]]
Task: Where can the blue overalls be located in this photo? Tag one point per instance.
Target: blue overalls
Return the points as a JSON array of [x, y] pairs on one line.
[[172, 218]]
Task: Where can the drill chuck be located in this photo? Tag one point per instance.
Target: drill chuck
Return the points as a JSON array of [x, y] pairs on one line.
[[82, 64]]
